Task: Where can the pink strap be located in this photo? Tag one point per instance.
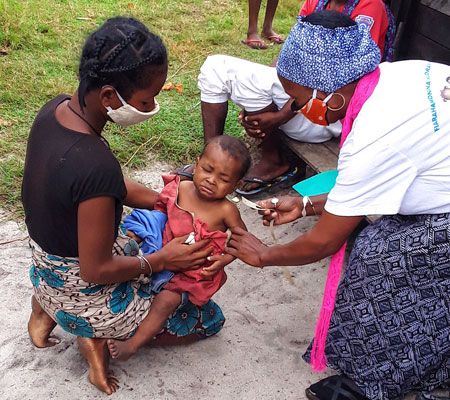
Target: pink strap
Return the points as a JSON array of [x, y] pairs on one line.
[[363, 90], [318, 360]]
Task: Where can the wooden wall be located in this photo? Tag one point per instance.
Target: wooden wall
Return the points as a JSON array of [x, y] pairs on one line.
[[424, 29]]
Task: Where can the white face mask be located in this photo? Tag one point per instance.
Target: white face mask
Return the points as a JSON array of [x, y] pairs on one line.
[[127, 115]]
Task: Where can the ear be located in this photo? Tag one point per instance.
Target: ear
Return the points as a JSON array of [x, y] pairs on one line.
[[195, 165], [108, 97]]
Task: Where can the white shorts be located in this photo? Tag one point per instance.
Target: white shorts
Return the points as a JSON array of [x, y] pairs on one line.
[[252, 87]]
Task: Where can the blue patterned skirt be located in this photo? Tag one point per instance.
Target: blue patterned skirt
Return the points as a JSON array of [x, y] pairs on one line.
[[108, 311], [390, 330]]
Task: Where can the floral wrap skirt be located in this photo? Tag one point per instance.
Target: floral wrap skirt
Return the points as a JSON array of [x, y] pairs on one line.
[[108, 311], [390, 329]]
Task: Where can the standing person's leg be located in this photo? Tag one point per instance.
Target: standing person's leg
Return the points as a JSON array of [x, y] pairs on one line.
[[267, 30], [253, 39]]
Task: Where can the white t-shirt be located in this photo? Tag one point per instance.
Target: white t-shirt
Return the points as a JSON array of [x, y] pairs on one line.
[[396, 158]]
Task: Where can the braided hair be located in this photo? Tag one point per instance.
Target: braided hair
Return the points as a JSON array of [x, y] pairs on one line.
[[122, 53]]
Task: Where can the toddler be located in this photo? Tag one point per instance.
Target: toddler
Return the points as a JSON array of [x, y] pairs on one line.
[[199, 206]]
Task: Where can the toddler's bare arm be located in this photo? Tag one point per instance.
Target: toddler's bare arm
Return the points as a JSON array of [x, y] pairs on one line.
[[232, 217]]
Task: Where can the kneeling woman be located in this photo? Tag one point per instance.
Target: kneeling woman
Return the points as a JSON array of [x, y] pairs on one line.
[[73, 193], [389, 331]]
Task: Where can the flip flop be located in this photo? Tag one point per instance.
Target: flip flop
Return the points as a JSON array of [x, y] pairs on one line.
[[185, 171], [265, 184], [336, 387], [277, 39], [257, 44]]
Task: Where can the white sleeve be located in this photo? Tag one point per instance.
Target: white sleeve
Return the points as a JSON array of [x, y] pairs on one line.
[[372, 181]]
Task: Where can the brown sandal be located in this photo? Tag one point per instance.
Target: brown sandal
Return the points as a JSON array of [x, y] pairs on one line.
[[277, 39], [257, 44]]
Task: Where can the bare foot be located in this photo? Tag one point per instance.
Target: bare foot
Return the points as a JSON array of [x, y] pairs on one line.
[[120, 349], [96, 354], [40, 326]]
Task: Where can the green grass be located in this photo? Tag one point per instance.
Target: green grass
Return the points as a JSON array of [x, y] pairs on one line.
[[40, 43]]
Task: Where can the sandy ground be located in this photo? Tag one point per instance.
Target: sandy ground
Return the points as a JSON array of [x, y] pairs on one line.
[[257, 355]]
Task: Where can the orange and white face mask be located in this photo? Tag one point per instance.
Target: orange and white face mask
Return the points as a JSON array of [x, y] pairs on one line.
[[315, 109]]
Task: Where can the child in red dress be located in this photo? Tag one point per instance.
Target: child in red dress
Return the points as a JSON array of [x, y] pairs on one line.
[[198, 206]]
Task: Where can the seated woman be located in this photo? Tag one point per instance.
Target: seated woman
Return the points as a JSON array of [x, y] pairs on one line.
[[388, 333], [73, 193], [267, 114]]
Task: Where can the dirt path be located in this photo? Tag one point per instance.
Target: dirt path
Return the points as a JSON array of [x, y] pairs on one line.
[[256, 356]]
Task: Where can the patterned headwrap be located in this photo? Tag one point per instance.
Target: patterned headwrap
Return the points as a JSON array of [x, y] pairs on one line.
[[350, 6], [327, 59]]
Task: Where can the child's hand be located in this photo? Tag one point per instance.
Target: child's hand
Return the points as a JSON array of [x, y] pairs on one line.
[[219, 261]]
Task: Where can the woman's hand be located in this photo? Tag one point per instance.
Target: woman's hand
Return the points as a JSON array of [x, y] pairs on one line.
[[219, 261], [177, 256], [246, 247], [288, 209]]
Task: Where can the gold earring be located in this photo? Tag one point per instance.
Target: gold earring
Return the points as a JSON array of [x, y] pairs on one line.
[[343, 103]]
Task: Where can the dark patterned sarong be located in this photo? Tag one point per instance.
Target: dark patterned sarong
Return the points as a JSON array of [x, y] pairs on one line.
[[390, 330]]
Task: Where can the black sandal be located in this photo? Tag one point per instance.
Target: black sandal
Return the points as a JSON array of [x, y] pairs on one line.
[[185, 172], [335, 387]]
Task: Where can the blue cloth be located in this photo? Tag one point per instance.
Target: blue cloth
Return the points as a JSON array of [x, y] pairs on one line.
[[149, 226], [327, 59]]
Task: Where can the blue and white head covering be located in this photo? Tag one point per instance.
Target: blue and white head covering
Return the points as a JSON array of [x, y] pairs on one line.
[[327, 58]]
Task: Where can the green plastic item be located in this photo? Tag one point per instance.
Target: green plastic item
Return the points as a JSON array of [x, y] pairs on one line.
[[317, 184]]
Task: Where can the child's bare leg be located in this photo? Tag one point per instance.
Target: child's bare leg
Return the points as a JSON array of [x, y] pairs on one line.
[[96, 354], [40, 326], [164, 304]]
